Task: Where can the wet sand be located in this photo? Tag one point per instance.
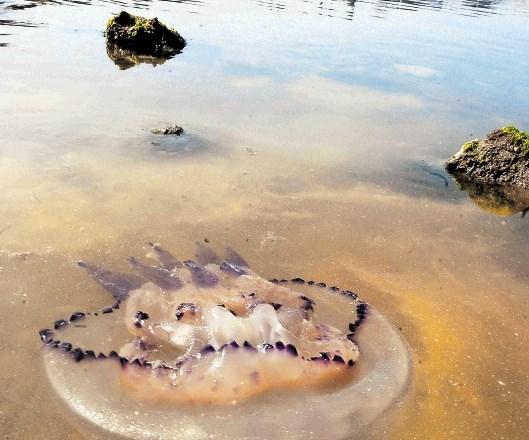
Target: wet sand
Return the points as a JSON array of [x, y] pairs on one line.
[[432, 267]]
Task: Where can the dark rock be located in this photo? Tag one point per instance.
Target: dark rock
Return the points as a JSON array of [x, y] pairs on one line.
[[143, 36], [502, 158], [170, 129], [495, 171]]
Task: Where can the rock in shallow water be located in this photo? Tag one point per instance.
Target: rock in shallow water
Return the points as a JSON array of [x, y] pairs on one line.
[[502, 158], [143, 35], [169, 129]]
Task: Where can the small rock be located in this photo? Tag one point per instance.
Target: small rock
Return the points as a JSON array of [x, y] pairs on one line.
[[170, 129], [143, 35]]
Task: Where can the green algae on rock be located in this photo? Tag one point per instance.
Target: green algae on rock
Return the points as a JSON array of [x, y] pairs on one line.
[[501, 159], [520, 140], [143, 35]]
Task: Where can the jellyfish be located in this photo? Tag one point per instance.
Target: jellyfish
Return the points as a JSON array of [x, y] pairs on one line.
[[206, 348]]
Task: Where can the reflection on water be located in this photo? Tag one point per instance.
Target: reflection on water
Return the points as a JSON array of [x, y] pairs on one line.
[[340, 9], [345, 9], [125, 59], [465, 7], [4, 22], [481, 5], [497, 200], [330, 8]]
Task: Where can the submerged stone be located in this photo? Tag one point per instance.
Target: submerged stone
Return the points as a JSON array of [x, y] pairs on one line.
[[143, 35], [501, 159], [175, 141], [169, 129]]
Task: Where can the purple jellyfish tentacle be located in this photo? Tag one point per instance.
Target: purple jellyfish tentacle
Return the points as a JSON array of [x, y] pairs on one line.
[[233, 257], [167, 260], [118, 284], [201, 276], [161, 277], [206, 255], [232, 269]]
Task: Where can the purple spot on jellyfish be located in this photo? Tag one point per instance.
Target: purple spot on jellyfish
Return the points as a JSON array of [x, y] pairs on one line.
[[76, 316], [60, 323], [45, 334]]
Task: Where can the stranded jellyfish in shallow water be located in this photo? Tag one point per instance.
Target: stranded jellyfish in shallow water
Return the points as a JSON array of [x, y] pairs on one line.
[[208, 349]]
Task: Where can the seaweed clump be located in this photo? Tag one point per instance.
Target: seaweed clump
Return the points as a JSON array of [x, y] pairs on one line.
[[143, 36]]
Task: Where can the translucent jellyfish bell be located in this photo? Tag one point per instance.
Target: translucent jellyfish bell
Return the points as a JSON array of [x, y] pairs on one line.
[[315, 362]]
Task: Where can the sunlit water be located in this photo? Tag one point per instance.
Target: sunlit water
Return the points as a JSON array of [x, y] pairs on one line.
[[316, 137]]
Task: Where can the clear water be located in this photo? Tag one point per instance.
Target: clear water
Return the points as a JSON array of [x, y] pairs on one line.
[[317, 133]]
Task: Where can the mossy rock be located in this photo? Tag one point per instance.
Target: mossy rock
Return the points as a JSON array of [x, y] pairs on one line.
[[143, 35], [502, 158]]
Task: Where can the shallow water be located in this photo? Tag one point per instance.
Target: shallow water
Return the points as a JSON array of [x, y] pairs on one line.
[[319, 133]]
